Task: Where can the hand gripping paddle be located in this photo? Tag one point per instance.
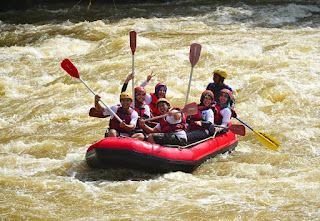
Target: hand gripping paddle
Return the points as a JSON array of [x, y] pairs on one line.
[[189, 109]]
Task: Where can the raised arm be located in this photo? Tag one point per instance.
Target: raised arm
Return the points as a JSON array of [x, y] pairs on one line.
[[145, 83], [125, 84]]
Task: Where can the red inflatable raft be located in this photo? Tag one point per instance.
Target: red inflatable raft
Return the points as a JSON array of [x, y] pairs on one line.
[[116, 152]]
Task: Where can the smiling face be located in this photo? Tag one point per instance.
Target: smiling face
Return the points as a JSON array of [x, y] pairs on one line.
[[140, 97], [125, 103], [162, 92], [163, 107], [223, 98], [207, 101]]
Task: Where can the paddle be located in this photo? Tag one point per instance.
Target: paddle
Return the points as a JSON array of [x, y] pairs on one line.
[[189, 109], [72, 71], [235, 128], [264, 138], [195, 50], [133, 44]]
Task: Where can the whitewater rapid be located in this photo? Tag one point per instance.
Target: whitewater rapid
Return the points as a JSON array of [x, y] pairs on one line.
[[272, 54]]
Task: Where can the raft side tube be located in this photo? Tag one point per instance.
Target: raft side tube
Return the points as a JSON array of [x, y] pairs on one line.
[[106, 158]]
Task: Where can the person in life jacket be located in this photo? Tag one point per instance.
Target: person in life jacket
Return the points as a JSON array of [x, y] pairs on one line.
[[128, 116], [143, 111], [224, 111], [219, 75], [171, 129], [152, 98], [160, 91], [200, 123]]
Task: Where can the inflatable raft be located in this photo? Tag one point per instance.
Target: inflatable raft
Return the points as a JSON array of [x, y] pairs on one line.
[[120, 152]]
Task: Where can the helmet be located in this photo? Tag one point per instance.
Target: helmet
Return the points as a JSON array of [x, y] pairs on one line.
[[223, 73], [205, 94], [140, 90], [227, 92], [158, 86], [125, 95], [162, 100]]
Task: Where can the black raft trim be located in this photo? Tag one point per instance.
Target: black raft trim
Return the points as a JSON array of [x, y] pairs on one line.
[[123, 158]]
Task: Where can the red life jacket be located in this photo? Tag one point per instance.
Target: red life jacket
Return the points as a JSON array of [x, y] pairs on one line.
[[218, 117], [166, 127], [125, 116], [141, 112], [153, 105], [198, 117]]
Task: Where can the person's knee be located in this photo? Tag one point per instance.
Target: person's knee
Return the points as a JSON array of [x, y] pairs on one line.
[[112, 133], [138, 136]]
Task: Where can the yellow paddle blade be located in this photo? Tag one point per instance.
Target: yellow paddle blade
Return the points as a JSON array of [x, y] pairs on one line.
[[267, 140]]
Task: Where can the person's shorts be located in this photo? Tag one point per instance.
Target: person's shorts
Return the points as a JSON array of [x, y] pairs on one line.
[[118, 134], [168, 138]]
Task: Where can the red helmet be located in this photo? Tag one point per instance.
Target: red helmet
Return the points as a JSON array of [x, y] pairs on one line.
[[205, 94], [227, 92], [140, 90], [161, 84], [158, 86]]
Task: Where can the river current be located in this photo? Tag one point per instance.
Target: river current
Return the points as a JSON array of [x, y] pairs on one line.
[[271, 50]]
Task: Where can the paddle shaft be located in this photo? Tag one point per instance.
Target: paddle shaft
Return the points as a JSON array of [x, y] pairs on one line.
[[67, 65], [133, 44], [264, 138], [188, 92], [195, 50], [237, 129], [133, 94], [221, 126], [110, 111], [244, 124], [157, 117], [189, 109]]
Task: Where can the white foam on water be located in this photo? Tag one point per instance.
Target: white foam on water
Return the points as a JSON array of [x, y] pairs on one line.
[[51, 48]]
